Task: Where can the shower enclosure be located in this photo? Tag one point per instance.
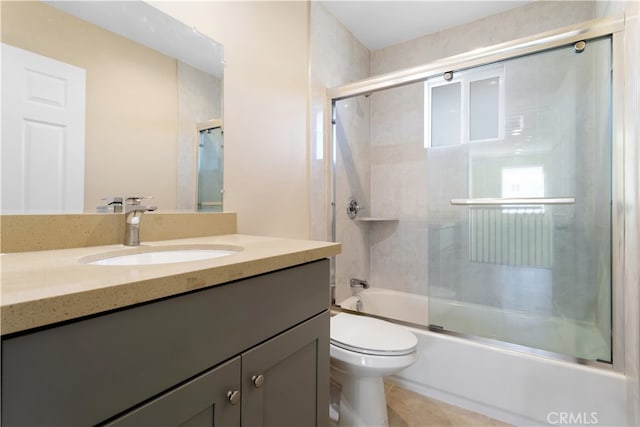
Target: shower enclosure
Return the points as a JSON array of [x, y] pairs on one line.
[[483, 184]]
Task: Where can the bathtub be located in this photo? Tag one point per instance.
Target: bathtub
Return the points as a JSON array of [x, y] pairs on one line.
[[509, 385], [556, 335], [401, 306]]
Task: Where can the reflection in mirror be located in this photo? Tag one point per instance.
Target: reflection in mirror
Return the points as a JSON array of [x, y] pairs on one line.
[[150, 80], [210, 166]]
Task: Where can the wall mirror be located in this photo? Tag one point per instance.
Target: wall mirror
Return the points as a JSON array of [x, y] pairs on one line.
[[150, 82]]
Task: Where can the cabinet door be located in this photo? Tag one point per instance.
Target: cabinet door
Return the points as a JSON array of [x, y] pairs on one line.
[[202, 402], [285, 381]]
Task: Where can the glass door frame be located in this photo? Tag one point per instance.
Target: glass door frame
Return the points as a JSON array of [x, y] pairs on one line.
[[613, 27]]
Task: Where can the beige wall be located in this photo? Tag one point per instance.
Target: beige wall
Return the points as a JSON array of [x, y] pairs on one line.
[[266, 50], [131, 123]]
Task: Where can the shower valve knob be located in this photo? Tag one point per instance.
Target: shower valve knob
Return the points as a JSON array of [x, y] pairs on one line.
[[352, 208]]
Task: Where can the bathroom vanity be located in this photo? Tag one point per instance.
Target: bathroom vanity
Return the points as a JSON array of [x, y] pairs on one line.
[[252, 351]]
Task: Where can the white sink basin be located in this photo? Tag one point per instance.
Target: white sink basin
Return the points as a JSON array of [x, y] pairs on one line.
[[159, 255]]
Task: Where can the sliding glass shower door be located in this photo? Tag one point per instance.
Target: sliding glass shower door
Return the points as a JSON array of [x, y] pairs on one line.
[[519, 200]]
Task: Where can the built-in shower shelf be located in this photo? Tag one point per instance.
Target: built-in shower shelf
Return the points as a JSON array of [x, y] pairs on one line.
[[376, 219]]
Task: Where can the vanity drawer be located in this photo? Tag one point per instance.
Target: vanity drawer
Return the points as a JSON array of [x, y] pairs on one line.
[[84, 372]]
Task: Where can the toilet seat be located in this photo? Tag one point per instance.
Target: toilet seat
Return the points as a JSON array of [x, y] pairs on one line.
[[367, 335]]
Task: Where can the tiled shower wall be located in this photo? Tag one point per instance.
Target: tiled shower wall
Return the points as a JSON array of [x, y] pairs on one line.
[[337, 58], [533, 18], [382, 162]]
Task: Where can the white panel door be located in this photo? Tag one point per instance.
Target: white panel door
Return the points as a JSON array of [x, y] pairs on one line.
[[43, 134]]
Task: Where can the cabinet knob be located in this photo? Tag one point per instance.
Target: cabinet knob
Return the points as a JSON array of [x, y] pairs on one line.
[[257, 380], [233, 396]]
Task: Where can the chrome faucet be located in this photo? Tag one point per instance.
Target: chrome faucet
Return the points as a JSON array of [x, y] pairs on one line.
[[133, 216]]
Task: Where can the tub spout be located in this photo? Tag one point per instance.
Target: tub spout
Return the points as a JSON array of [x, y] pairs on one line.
[[359, 283]]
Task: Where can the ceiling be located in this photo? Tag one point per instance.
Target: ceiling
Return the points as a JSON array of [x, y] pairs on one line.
[[378, 24]]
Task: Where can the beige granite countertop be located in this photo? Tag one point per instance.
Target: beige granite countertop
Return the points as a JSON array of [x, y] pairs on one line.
[[45, 287]]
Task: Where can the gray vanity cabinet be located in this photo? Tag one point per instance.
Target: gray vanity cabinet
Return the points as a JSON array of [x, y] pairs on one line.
[[273, 384], [178, 361]]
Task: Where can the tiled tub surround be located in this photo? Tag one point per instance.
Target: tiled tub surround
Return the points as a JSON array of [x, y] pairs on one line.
[[396, 165], [45, 287], [337, 58], [387, 166]]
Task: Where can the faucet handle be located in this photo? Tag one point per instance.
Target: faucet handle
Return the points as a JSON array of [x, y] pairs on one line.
[[135, 200], [112, 200], [114, 204]]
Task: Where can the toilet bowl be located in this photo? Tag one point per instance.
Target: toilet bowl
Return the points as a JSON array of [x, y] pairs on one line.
[[363, 351]]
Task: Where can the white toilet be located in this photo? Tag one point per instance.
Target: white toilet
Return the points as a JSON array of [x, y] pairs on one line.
[[363, 351]]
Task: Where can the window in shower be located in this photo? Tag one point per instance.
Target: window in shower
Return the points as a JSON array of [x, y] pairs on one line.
[[467, 106], [526, 207]]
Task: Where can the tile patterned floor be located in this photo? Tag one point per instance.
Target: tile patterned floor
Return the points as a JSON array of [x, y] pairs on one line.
[[409, 409]]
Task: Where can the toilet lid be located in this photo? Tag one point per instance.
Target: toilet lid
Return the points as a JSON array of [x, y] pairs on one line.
[[367, 335]]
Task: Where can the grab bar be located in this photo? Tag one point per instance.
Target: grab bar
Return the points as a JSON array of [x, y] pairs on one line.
[[515, 201]]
